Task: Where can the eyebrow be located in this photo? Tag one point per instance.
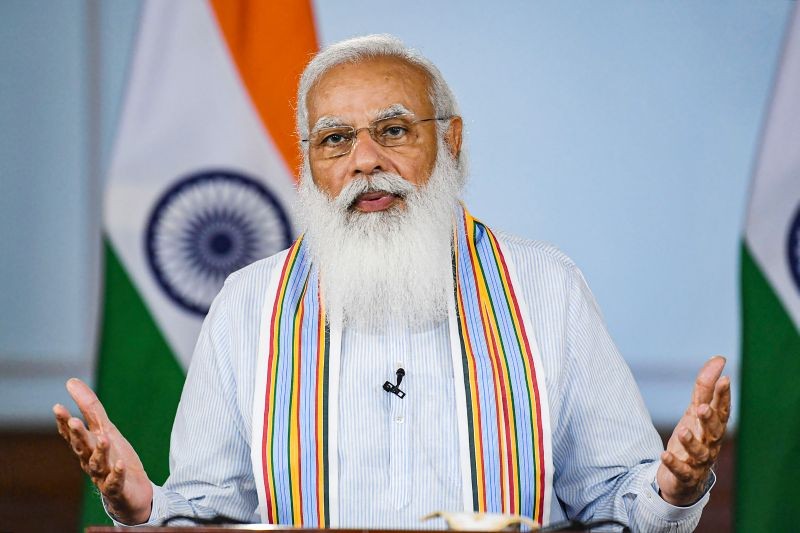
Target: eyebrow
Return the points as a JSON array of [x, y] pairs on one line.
[[392, 111], [332, 121], [328, 121]]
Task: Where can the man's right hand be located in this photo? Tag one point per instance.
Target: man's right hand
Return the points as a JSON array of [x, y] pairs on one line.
[[106, 456]]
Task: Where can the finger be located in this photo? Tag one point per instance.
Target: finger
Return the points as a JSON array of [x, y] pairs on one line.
[[93, 411], [698, 452], [61, 412], [722, 398], [711, 425], [675, 444], [706, 380], [62, 417], [112, 488], [679, 469], [80, 440], [98, 462]]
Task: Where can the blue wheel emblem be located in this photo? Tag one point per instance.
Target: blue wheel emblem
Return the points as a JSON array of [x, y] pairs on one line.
[[208, 225], [793, 249]]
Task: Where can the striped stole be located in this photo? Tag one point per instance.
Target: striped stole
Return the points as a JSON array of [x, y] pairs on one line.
[[504, 432]]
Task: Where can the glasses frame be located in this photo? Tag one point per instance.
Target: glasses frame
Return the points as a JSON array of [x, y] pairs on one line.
[[372, 132]]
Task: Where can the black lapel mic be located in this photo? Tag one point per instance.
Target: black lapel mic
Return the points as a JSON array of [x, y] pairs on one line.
[[395, 388]]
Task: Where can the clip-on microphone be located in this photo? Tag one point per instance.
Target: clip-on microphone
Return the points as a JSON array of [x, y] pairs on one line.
[[395, 389]]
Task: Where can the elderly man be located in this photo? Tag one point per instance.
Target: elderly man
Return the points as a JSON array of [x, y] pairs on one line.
[[402, 357]]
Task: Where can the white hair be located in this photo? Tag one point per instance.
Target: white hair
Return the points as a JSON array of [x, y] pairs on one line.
[[390, 266], [370, 47], [393, 265]]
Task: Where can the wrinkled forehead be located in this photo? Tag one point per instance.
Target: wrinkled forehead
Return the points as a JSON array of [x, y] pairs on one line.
[[359, 93]]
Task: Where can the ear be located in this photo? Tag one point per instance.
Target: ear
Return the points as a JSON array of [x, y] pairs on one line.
[[453, 136]]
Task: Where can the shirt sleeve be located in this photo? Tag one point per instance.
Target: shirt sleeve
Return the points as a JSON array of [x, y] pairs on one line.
[[606, 450], [209, 452]]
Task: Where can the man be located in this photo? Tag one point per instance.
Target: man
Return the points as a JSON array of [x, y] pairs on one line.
[[401, 357]]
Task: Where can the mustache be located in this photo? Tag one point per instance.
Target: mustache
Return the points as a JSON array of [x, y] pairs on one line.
[[380, 181]]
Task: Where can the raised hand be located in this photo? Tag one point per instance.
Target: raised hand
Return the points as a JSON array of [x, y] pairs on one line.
[[106, 456], [696, 440]]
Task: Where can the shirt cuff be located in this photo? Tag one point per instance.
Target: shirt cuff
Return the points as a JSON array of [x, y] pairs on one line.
[[158, 509], [659, 507]]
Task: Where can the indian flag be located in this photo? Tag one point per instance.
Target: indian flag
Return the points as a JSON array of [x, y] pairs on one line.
[[200, 185], [768, 469]]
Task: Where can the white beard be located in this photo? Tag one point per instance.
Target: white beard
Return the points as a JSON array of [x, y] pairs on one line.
[[391, 266]]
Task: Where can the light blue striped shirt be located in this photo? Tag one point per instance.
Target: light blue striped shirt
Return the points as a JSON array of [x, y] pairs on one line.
[[398, 458]]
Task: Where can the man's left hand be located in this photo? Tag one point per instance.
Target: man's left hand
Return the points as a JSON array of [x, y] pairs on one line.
[[696, 440]]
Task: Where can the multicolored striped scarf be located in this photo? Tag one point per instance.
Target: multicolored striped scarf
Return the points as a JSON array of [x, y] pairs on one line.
[[502, 410]]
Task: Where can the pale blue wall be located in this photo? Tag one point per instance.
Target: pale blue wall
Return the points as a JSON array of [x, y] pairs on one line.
[[45, 216], [63, 67], [624, 132]]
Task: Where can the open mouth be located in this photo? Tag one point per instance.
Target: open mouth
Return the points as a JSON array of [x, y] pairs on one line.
[[374, 201]]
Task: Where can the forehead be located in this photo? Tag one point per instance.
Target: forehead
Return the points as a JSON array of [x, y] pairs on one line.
[[356, 91]]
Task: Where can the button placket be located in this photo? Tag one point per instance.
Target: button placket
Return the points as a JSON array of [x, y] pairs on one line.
[[400, 443]]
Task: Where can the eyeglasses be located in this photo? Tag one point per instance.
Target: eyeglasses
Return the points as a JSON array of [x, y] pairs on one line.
[[400, 130]]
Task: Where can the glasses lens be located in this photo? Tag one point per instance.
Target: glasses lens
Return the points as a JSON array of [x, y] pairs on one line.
[[395, 131], [332, 142]]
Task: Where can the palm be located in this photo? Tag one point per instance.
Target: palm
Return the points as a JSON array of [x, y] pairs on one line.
[[135, 477], [106, 456], [695, 443]]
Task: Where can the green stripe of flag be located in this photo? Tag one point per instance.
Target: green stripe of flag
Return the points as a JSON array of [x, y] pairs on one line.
[[768, 455], [138, 379]]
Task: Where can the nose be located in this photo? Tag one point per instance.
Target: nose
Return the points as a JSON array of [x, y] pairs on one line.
[[366, 156]]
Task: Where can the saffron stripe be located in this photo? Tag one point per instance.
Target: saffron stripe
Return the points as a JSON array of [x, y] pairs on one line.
[[502, 388], [493, 453], [283, 398], [294, 441], [473, 404], [500, 322], [533, 387], [530, 379], [477, 451], [269, 411], [286, 435], [501, 395], [506, 394], [506, 355], [307, 412]]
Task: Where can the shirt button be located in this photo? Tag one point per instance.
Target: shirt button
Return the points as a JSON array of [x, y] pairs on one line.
[[399, 419]]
